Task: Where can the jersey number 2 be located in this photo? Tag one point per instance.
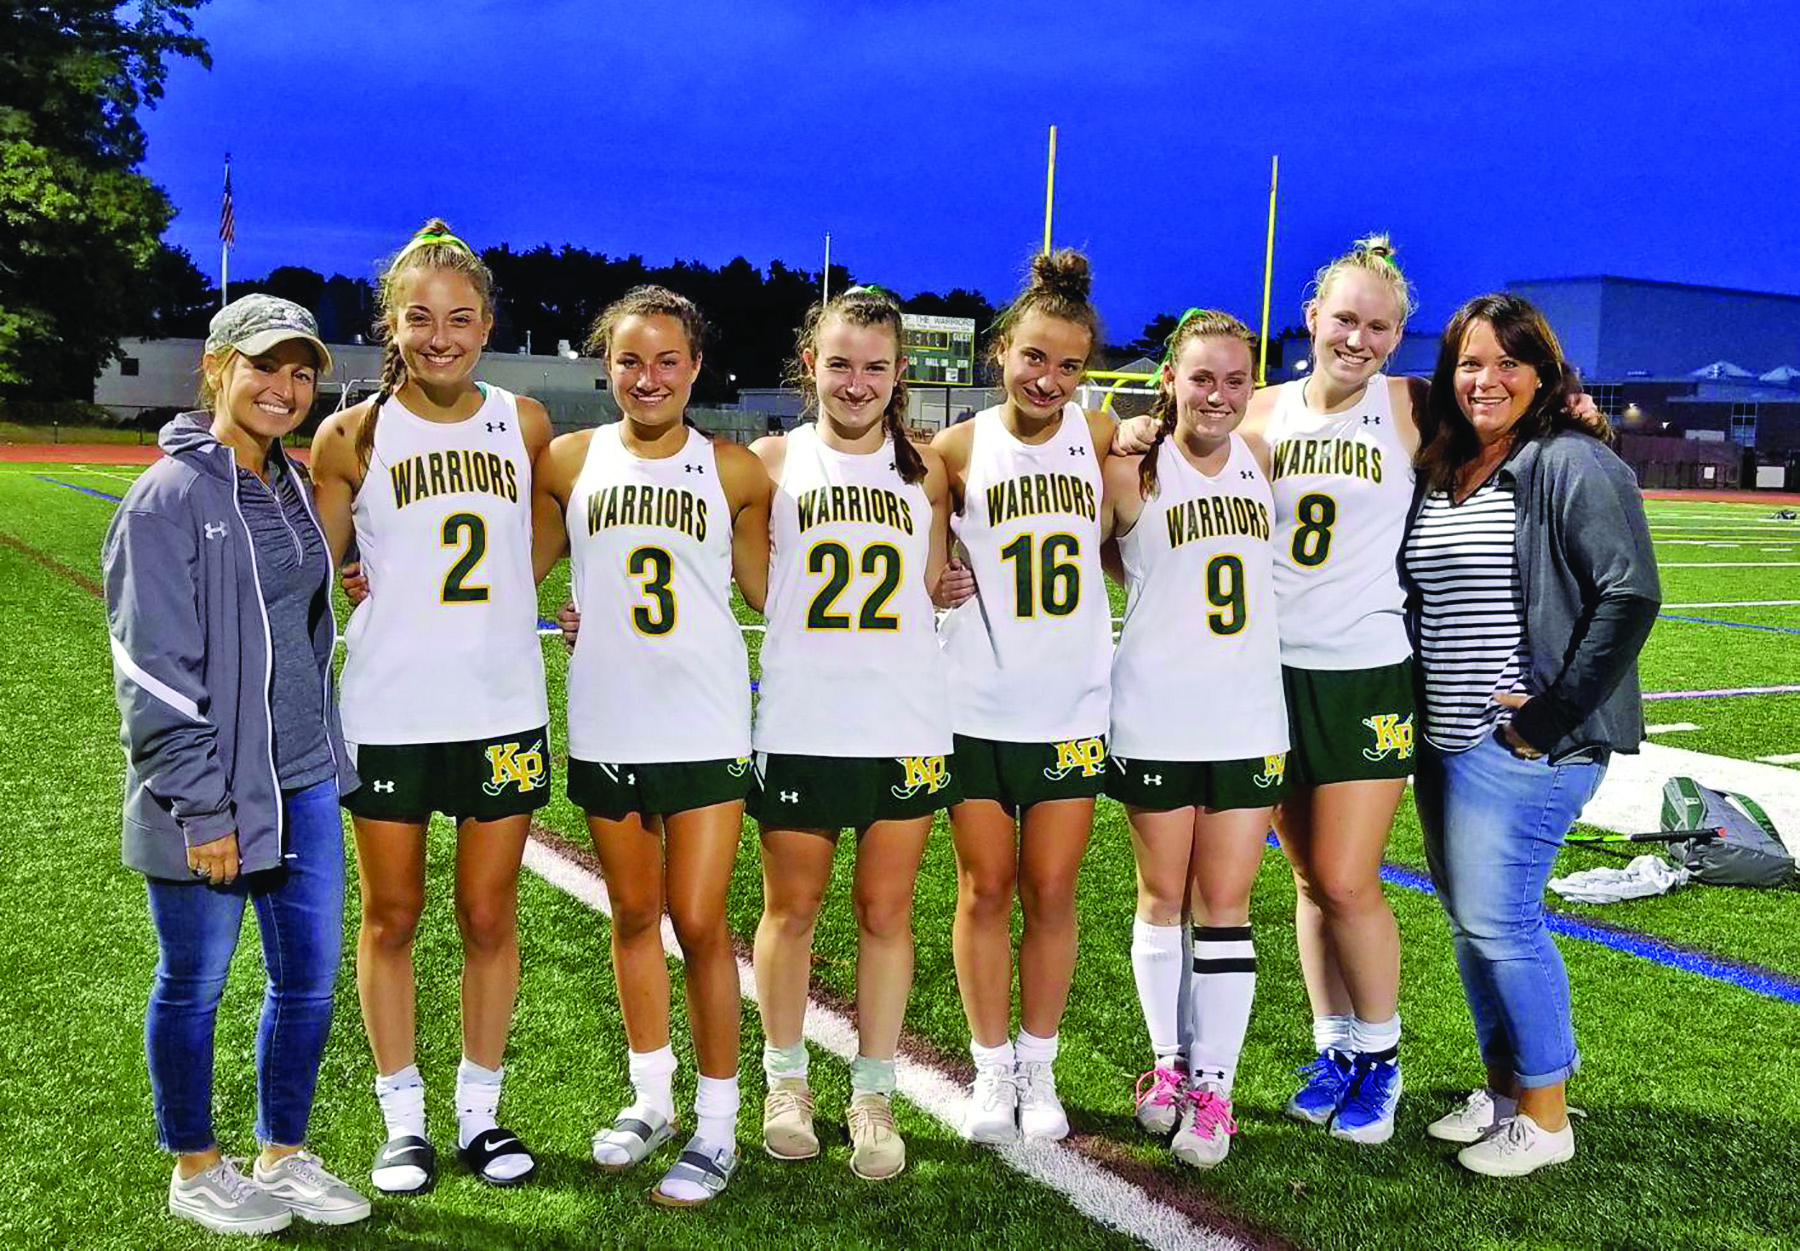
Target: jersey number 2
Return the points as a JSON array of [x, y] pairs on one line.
[[468, 531]]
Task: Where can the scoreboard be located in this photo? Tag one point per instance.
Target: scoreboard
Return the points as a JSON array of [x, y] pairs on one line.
[[939, 349]]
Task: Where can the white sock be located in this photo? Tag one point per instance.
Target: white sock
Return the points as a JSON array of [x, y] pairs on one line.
[[871, 1077], [1000, 1057], [1334, 1033], [716, 1110], [1373, 1036], [402, 1099], [780, 1062], [1157, 959], [1030, 1049], [653, 1080], [1224, 985], [477, 1101]]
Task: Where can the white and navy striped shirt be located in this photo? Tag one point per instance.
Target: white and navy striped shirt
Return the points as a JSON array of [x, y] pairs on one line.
[[1472, 620]]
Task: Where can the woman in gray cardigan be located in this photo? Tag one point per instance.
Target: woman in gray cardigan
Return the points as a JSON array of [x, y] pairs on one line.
[[1532, 587], [219, 609]]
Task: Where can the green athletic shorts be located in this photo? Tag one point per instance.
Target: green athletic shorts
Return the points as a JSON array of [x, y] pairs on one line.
[[615, 791], [850, 792], [1349, 725], [1018, 775], [1257, 782], [480, 779]]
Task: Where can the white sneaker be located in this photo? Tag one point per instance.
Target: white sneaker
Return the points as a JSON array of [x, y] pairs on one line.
[[1203, 1135], [1518, 1146], [225, 1201], [1041, 1115], [301, 1183], [1160, 1097], [993, 1111], [1475, 1119]]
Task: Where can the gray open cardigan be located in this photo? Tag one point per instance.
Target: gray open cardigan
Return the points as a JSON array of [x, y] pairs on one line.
[[1587, 572]]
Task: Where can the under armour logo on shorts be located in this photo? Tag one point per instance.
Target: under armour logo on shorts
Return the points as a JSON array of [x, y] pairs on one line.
[[790, 797], [1153, 779], [215, 530], [383, 788]]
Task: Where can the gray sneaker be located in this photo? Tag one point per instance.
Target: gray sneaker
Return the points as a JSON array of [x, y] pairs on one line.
[[224, 1201], [302, 1185]]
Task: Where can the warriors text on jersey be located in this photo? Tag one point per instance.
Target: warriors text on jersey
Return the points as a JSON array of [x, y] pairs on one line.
[[1029, 654], [850, 663], [1197, 675], [659, 673], [1342, 484], [445, 649]]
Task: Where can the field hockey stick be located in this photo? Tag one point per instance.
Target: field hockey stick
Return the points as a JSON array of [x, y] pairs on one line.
[[1653, 836]]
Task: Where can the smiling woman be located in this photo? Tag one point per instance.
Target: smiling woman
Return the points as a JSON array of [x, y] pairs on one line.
[[218, 602]]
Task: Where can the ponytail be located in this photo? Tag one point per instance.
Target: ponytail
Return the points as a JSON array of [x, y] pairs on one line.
[[393, 377]]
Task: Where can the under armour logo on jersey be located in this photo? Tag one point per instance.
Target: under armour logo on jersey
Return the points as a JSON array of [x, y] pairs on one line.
[[496, 426], [695, 468], [1371, 419], [1153, 779], [215, 529], [1246, 473], [790, 797], [1075, 451], [383, 788]]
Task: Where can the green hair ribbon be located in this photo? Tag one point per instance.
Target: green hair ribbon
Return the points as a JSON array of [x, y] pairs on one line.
[[430, 237], [1169, 343]]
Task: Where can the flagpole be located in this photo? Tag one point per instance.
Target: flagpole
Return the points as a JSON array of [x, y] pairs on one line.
[[1262, 356], [227, 230], [825, 275]]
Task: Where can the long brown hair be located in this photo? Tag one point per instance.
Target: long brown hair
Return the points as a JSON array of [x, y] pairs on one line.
[[861, 306], [1447, 438], [433, 246], [1198, 323]]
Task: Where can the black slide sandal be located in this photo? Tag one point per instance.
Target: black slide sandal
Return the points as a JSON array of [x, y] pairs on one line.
[[489, 1145], [404, 1151]]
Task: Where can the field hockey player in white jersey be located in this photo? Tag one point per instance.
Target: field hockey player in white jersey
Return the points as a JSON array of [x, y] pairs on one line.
[[658, 517], [1028, 688], [853, 722], [1342, 441], [1199, 724], [444, 699]]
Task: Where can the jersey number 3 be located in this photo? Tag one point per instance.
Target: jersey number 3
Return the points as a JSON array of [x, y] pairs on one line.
[[835, 562], [469, 532]]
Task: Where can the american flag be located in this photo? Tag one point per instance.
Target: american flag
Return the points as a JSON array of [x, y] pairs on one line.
[[227, 219]]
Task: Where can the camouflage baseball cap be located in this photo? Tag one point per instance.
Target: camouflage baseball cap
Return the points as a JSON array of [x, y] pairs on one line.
[[255, 323]]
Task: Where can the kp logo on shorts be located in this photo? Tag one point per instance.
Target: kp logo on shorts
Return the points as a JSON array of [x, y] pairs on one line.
[[512, 767], [927, 773], [1085, 754], [1274, 769], [1393, 736]]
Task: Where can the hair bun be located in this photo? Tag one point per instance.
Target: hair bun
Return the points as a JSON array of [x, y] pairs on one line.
[[1064, 272], [436, 226], [1377, 244]]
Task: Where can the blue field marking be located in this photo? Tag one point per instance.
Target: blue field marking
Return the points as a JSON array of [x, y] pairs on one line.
[[1736, 625], [1750, 977], [99, 495]]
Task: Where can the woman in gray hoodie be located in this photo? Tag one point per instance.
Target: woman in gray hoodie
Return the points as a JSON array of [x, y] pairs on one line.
[[219, 609]]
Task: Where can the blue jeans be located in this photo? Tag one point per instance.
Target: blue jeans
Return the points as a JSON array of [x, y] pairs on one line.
[[1493, 825], [300, 915]]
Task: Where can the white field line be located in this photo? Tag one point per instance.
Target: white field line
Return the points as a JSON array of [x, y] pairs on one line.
[[1093, 1191], [1630, 798], [1737, 603], [1673, 727], [1729, 564], [1788, 759]]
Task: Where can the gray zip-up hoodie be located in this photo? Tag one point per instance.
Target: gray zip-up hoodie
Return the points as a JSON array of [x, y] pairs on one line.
[[192, 664]]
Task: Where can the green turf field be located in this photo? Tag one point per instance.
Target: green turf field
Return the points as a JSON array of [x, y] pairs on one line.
[[1692, 1110]]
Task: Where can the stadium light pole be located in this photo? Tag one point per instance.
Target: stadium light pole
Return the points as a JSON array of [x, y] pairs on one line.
[[825, 276], [1262, 352], [1049, 190]]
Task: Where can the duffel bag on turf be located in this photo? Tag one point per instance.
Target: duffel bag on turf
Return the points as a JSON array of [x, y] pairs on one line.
[[1745, 849]]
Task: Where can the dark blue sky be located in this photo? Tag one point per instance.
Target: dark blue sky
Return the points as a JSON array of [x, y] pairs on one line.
[[1494, 141]]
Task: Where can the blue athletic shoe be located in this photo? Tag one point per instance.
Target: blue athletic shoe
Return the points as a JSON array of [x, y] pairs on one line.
[[1367, 1112], [1327, 1078]]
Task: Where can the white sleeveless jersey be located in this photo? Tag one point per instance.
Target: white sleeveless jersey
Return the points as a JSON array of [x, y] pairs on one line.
[[850, 664], [1343, 484], [446, 646], [1197, 675], [659, 673], [1029, 653]]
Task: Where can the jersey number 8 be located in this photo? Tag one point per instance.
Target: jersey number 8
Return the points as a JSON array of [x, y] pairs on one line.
[[1315, 514], [833, 560]]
